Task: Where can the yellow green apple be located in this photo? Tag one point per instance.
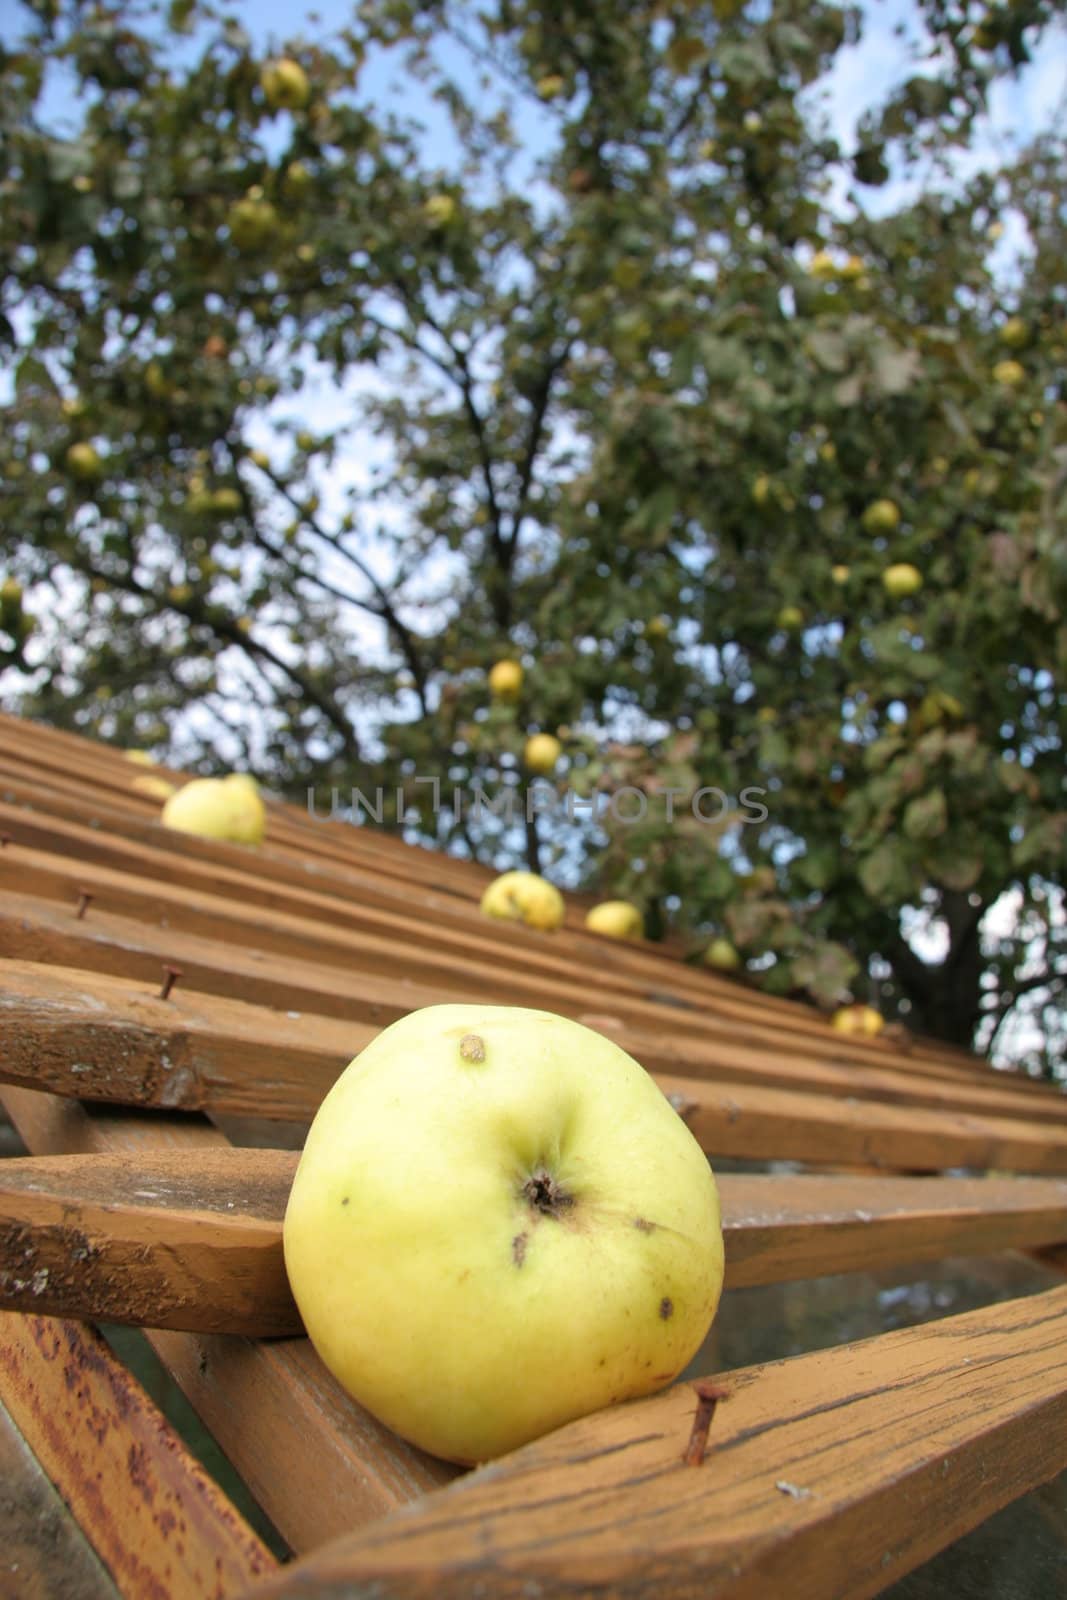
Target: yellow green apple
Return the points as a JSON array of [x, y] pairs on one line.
[[505, 680], [882, 516], [550, 86], [858, 1019], [157, 788], [790, 618], [901, 580], [524, 897], [541, 753], [1014, 333], [822, 266], [723, 955], [83, 462], [439, 210], [253, 222], [618, 919], [840, 573], [1009, 374], [218, 808], [285, 85], [499, 1224]]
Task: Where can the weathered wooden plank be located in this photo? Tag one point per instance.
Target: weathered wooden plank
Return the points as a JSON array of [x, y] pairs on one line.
[[43, 1553], [154, 1517], [729, 1119], [184, 1241], [194, 1241], [828, 1474], [106, 1038], [650, 966], [317, 1463]]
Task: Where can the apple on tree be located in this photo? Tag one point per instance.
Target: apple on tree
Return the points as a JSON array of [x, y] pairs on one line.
[[285, 85], [499, 1224], [505, 680], [901, 580], [83, 462], [721, 953], [882, 516], [541, 753]]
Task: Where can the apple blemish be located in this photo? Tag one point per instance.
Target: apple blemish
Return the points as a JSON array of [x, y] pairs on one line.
[[472, 1047]]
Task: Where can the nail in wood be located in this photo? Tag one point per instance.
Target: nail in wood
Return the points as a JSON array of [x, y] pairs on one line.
[[708, 1396], [84, 899], [170, 978]]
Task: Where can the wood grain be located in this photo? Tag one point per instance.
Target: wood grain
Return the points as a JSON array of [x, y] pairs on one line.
[[828, 1474], [273, 1408], [159, 1524], [319, 843], [43, 1553], [194, 1241], [107, 1038]]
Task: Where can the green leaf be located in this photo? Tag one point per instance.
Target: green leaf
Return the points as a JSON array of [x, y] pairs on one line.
[[885, 875], [926, 817]]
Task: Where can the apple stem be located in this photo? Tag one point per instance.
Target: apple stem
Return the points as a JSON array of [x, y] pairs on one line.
[[84, 900], [708, 1396], [170, 978]]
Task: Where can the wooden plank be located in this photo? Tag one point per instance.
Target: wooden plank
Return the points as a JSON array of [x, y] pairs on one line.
[[648, 966], [30, 743], [274, 1410], [106, 1038], [152, 1514], [829, 1474], [39, 930], [194, 1241], [733, 1051], [182, 1241], [43, 1553], [729, 1119]]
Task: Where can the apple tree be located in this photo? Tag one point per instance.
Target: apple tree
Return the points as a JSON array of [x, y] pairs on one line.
[[597, 350]]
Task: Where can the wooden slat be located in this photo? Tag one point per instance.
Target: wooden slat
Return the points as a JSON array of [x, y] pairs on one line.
[[194, 1241], [730, 1119], [828, 1474], [182, 1241], [317, 1463], [106, 1038], [156, 1520], [647, 965], [43, 1553]]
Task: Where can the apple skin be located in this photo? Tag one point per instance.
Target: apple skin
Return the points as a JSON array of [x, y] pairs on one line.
[[505, 680], [616, 918], [541, 753], [218, 808], [499, 1224], [901, 580], [864, 1020], [524, 897]]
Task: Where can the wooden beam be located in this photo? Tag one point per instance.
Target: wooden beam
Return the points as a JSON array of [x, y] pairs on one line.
[[194, 1240], [833, 1473], [154, 1517]]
